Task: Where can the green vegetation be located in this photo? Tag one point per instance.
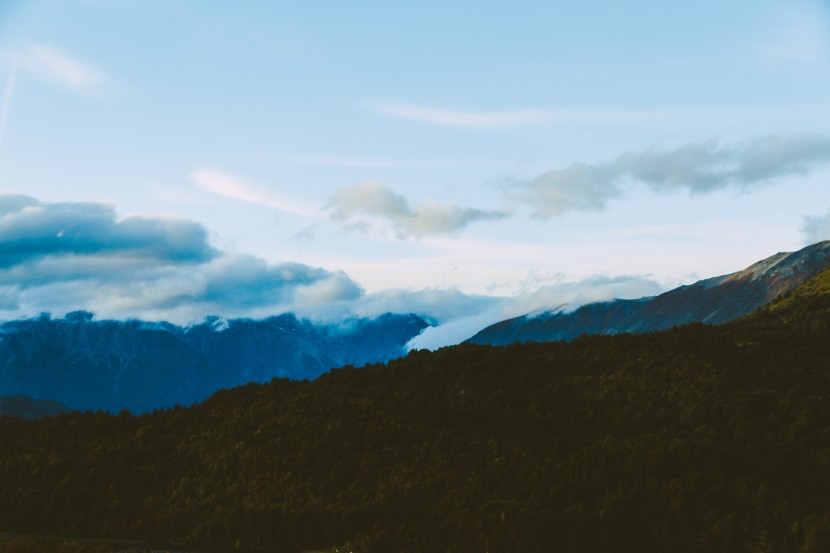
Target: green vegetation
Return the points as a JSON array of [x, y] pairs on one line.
[[698, 439], [10, 543]]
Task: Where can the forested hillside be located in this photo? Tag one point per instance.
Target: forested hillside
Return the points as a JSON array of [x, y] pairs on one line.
[[698, 439]]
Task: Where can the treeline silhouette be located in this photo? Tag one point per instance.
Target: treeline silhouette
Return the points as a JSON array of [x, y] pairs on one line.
[[697, 439]]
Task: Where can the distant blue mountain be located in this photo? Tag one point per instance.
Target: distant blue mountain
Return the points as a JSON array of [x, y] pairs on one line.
[[141, 366]]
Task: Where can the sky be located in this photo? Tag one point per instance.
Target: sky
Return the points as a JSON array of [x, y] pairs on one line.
[[465, 161]]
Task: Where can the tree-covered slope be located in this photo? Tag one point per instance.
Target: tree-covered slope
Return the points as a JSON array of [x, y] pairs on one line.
[[697, 439]]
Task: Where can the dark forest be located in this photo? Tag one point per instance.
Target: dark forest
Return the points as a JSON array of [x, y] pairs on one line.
[[696, 439]]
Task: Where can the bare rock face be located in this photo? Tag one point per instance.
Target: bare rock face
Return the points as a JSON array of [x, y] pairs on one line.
[[712, 301]]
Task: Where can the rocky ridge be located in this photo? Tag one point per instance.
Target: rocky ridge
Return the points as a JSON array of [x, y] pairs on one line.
[[712, 301]]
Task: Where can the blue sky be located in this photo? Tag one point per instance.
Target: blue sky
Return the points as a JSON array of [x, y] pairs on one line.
[[467, 162]]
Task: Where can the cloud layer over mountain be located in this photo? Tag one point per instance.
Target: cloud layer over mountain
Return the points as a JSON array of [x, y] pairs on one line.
[[60, 257], [64, 256]]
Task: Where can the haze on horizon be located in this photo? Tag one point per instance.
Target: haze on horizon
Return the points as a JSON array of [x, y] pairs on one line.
[[465, 162]]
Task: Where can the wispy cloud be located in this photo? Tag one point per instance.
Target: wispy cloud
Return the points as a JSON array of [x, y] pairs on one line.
[[344, 161], [356, 206], [454, 118], [60, 68], [687, 116], [225, 184], [700, 167], [536, 116], [51, 65]]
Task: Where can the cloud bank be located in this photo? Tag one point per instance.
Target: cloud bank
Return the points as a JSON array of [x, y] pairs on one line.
[[31, 231], [60, 257], [698, 168], [357, 206]]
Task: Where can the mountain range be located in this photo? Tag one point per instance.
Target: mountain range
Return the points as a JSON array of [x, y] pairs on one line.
[[712, 301], [696, 439], [141, 366]]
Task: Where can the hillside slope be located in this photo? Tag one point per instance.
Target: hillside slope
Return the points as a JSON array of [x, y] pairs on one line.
[[711, 301]]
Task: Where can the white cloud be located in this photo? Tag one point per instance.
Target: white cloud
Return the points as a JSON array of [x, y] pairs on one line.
[[700, 167], [58, 67], [479, 313], [348, 162], [356, 206], [438, 305], [538, 116], [706, 166], [816, 228], [455, 331], [224, 184], [569, 295], [578, 187]]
